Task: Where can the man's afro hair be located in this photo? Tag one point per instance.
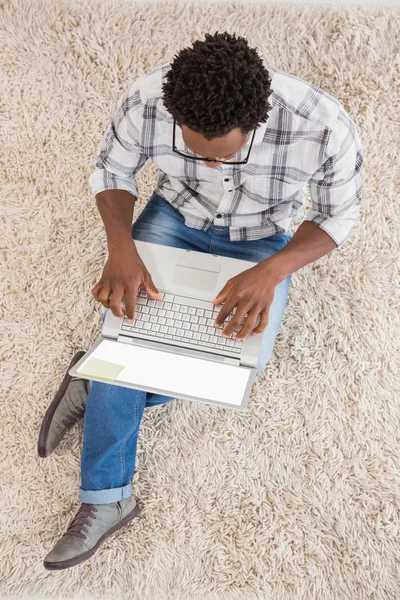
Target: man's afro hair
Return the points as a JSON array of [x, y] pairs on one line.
[[218, 85]]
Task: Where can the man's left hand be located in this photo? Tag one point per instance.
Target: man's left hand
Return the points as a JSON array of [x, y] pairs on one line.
[[251, 292]]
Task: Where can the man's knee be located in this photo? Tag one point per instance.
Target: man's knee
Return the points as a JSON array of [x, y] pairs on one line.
[[262, 362]]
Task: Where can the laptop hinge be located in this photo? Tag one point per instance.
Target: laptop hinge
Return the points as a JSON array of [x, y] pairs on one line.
[[165, 347]]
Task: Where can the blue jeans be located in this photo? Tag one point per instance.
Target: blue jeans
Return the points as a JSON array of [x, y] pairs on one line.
[[113, 413]]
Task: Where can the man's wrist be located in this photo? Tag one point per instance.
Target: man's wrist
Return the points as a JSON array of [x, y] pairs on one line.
[[123, 242], [274, 268]]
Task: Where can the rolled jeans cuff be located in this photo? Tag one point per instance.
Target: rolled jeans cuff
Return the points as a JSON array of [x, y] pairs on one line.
[[105, 496]]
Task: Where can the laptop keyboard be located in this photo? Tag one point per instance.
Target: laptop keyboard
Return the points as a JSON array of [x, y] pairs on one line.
[[181, 321]]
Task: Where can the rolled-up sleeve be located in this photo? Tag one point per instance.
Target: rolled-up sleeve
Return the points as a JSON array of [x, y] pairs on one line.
[[120, 155], [336, 187]]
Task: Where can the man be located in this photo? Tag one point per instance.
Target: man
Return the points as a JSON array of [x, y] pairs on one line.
[[236, 145]]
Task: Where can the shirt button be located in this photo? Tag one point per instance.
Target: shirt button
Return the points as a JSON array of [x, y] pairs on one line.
[[219, 215], [226, 179]]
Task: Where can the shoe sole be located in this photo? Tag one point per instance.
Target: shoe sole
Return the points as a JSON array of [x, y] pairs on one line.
[[72, 562], [44, 430]]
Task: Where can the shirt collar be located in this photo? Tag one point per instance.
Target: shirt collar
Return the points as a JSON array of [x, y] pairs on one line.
[[260, 132]]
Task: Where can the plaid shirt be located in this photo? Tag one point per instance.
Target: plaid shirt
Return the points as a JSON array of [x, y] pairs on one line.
[[308, 139]]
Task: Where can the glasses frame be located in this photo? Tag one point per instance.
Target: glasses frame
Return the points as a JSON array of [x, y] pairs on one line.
[[212, 160]]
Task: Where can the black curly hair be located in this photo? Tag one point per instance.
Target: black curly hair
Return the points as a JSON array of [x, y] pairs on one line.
[[218, 85]]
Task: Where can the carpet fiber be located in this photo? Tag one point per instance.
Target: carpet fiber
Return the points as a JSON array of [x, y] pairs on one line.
[[298, 497]]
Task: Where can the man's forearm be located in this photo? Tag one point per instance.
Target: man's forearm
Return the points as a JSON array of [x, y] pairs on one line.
[[116, 210], [308, 244]]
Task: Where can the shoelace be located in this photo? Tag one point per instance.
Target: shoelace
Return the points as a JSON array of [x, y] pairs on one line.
[[81, 519], [74, 416], [75, 413]]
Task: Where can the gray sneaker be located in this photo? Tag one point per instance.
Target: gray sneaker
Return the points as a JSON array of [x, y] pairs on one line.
[[92, 524], [67, 407]]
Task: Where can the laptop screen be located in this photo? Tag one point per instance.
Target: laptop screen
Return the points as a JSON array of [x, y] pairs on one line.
[[167, 373]]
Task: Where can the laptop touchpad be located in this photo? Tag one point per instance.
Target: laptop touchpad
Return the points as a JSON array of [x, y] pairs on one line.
[[195, 273]]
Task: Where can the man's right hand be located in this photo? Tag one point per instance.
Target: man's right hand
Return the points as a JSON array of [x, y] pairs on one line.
[[123, 274]]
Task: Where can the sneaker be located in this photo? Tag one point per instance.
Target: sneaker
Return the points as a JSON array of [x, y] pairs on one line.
[[92, 524], [67, 407]]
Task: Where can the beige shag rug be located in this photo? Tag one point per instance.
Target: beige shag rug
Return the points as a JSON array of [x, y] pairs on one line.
[[297, 498]]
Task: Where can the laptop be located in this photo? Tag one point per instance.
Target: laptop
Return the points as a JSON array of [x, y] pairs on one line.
[[173, 348]]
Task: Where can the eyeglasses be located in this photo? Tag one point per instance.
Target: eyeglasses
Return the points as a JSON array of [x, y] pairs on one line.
[[213, 160]]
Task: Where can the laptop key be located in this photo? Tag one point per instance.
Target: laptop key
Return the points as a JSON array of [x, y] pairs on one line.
[[205, 345], [163, 329], [168, 297], [186, 326], [191, 310]]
